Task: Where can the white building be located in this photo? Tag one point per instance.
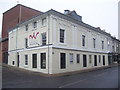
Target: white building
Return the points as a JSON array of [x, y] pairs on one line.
[[55, 43]]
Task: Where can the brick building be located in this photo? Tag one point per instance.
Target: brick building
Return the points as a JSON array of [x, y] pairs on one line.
[[11, 18]]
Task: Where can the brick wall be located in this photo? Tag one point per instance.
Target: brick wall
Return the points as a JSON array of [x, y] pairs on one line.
[[11, 18]]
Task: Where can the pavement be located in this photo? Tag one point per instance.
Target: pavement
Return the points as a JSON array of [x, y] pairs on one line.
[[102, 78]]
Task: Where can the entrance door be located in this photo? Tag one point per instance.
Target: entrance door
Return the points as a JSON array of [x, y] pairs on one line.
[[34, 61], [18, 60], [84, 61], [103, 60], [95, 60], [62, 60]]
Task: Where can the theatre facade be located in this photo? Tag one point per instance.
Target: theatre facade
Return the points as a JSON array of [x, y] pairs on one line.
[[55, 42]]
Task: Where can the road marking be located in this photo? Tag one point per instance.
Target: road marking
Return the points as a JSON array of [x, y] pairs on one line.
[[99, 75], [72, 83]]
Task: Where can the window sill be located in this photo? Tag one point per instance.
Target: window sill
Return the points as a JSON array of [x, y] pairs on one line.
[[62, 43], [34, 29]]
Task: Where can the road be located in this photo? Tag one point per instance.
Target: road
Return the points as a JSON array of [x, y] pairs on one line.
[[105, 78]]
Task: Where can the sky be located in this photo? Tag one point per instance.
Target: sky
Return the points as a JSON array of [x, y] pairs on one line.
[[97, 13]]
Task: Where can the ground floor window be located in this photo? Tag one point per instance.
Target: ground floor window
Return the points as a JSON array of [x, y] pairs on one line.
[[90, 58], [43, 60], [99, 58], [78, 58], [34, 60], [95, 60], [84, 61], [62, 60], [26, 59], [103, 60], [71, 58]]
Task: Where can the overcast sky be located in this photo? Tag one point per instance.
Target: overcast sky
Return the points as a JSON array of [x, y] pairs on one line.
[[98, 13]]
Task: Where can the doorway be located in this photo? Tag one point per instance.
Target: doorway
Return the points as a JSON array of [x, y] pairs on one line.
[[34, 60]]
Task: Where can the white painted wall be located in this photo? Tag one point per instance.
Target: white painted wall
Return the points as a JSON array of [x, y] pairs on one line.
[[73, 41]]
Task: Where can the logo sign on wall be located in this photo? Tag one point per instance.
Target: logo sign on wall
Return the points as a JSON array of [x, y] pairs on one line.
[[33, 38]]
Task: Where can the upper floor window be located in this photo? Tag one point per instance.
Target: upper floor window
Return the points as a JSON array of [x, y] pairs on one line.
[[83, 40], [26, 42], [26, 27], [43, 38], [102, 44], [43, 21], [34, 24], [108, 42], [94, 42], [62, 35]]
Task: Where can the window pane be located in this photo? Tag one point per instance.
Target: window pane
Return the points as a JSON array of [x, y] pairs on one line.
[[94, 42], [62, 35], [78, 58], [43, 21], [90, 58], [83, 40], [35, 25], [43, 38], [26, 59], [43, 60], [26, 27], [26, 42], [71, 57]]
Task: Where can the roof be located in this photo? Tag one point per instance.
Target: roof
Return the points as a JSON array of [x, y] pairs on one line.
[[22, 6]]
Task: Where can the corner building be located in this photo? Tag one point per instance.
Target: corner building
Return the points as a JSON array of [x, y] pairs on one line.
[[55, 43]]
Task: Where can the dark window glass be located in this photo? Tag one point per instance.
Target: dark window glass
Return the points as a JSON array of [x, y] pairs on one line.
[[34, 60], [62, 60], [43, 38], [78, 58], [83, 40], [102, 44], [103, 60], [84, 61], [43, 60], [26, 59], [34, 24], [26, 27], [94, 43], [26, 42], [95, 60], [62, 35], [99, 58]]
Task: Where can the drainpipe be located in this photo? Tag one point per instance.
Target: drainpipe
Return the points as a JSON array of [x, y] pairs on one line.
[[48, 40]]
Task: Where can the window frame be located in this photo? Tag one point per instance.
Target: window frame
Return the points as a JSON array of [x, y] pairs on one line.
[[44, 39], [26, 42], [62, 36], [71, 57], [83, 40], [94, 43], [78, 58], [26, 27], [43, 60], [102, 44], [35, 24], [44, 21], [26, 59]]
